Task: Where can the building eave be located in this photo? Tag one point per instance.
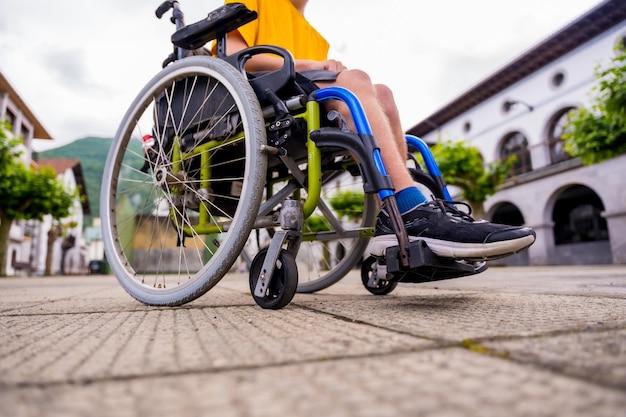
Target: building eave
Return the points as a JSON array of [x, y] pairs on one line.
[[60, 165], [590, 25], [40, 131]]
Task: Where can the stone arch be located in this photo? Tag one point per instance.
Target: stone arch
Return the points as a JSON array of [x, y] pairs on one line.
[[508, 213], [580, 232]]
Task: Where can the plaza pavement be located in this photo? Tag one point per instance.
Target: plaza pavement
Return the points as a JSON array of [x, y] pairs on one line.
[[535, 341]]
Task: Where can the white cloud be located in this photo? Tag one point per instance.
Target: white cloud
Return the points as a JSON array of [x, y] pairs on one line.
[[78, 64]]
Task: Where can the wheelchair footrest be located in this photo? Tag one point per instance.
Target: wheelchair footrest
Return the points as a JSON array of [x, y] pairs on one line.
[[425, 266]]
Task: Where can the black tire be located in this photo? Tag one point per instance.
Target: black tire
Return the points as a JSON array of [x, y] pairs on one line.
[[174, 227], [383, 286], [284, 281], [335, 251]]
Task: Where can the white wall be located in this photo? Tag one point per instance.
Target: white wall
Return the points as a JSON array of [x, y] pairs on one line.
[[536, 195]]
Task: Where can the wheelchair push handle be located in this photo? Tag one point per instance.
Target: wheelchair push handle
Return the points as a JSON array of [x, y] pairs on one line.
[[178, 18], [163, 8]]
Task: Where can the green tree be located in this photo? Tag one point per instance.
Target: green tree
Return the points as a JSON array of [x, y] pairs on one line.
[[599, 132], [348, 203], [316, 223], [462, 165], [26, 193]]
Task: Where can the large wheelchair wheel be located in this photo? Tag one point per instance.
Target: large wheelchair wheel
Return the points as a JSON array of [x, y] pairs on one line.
[[336, 235], [176, 214]]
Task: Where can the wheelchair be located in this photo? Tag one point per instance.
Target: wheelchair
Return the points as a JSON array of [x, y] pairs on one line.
[[212, 164]]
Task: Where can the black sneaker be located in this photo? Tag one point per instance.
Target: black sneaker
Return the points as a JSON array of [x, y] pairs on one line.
[[451, 233]]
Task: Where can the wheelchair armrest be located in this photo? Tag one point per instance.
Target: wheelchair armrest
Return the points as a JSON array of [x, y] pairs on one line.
[[363, 147], [219, 22], [272, 80]]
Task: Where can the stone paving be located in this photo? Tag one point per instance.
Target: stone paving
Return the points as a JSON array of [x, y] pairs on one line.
[[539, 341]]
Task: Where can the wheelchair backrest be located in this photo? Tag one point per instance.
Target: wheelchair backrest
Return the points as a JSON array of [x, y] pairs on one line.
[[197, 104]]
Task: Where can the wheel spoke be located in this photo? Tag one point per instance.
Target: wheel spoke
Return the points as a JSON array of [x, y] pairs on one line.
[[164, 206]]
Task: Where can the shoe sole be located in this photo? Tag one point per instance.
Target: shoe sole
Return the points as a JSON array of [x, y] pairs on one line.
[[456, 250]]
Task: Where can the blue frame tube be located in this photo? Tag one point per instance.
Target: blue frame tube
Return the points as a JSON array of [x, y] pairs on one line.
[[429, 160], [360, 122], [353, 103]]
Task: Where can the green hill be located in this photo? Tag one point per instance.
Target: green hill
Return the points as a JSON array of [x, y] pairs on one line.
[[92, 153]]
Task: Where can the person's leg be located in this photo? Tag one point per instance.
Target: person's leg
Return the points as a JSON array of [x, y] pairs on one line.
[[360, 84], [409, 196], [447, 231], [384, 119], [385, 97]]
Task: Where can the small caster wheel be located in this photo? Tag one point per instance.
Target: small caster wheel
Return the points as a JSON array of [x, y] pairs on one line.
[[372, 282], [283, 284]]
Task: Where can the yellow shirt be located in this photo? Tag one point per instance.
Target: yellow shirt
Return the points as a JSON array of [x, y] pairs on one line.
[[281, 24]]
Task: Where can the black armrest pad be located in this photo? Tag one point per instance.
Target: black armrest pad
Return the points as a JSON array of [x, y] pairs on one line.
[[220, 21]]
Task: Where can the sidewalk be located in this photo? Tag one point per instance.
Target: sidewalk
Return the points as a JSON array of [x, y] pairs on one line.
[[537, 341]]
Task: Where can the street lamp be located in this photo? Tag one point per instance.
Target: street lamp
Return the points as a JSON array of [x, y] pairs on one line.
[[508, 104]]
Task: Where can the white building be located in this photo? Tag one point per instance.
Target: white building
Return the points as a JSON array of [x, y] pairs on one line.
[[28, 238], [578, 212], [27, 126], [70, 255]]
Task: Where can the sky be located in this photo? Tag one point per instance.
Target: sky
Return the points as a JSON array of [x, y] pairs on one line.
[[78, 64]]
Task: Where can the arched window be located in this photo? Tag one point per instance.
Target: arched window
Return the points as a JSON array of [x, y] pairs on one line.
[[556, 130], [507, 213], [515, 144], [577, 217]]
